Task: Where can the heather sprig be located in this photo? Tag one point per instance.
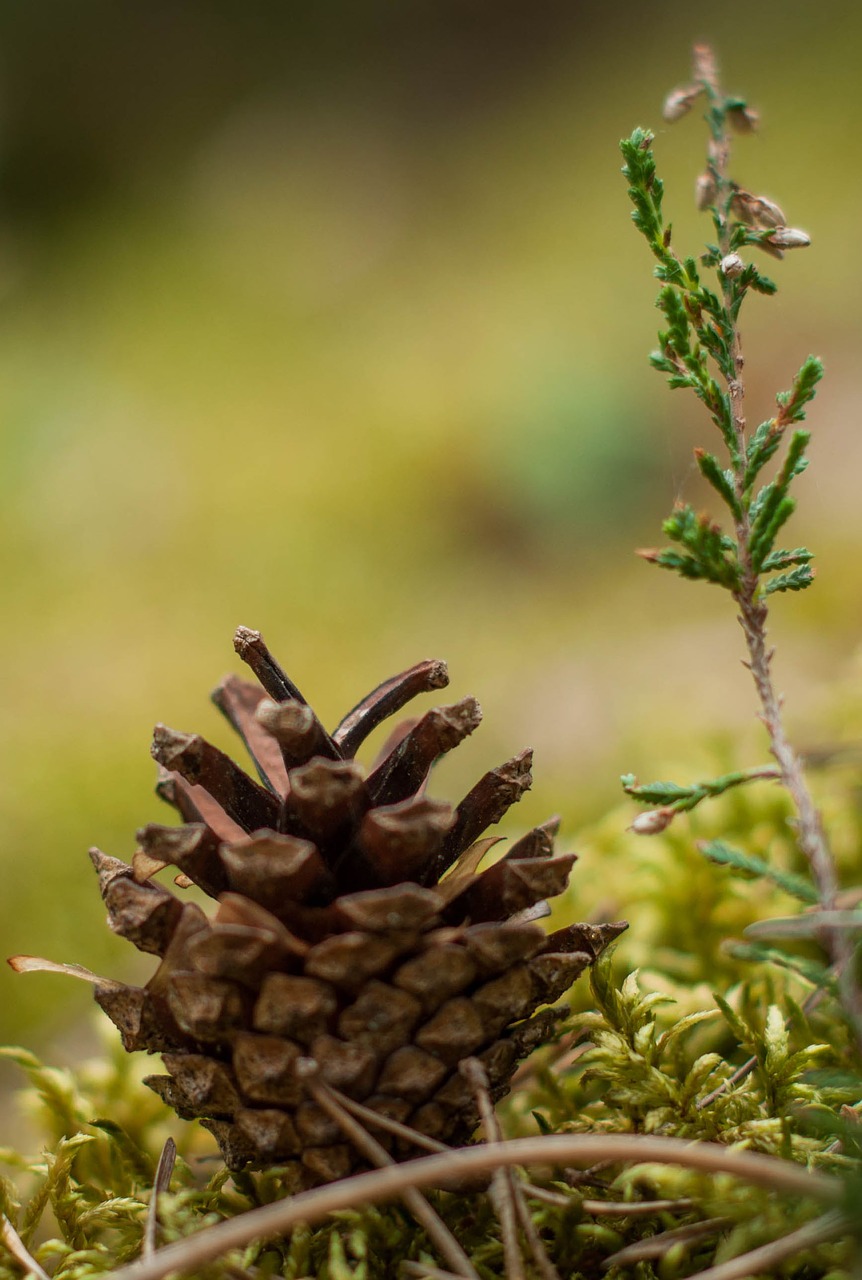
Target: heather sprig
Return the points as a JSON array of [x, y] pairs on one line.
[[700, 349]]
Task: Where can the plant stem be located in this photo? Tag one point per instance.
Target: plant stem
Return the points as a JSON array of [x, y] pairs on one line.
[[753, 611], [808, 1005], [161, 1184], [277, 1219], [19, 1250], [435, 1228], [769, 1256], [659, 1245]]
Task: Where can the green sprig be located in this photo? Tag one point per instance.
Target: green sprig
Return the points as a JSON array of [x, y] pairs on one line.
[[758, 868], [700, 333], [681, 799]]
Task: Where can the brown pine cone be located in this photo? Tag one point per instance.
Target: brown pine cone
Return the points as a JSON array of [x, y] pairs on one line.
[[353, 925]]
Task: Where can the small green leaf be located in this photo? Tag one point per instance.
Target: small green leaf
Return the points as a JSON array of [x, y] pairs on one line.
[[793, 402], [777, 1041], [732, 1019], [654, 792], [542, 1122], [795, 462], [677, 337], [810, 970], [722, 854], [684, 1024], [796, 580], [763, 284], [721, 480], [765, 529], [645, 189], [782, 559], [763, 444], [685, 565]]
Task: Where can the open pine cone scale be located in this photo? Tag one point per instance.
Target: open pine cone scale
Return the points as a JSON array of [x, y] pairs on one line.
[[353, 927]]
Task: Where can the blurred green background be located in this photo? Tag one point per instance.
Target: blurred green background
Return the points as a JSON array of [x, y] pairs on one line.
[[328, 319]]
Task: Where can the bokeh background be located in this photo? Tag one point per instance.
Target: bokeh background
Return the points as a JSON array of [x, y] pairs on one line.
[[328, 319]]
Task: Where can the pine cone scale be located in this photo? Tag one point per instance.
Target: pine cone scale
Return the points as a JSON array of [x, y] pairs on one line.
[[249, 804], [239, 702], [387, 700], [489, 801]]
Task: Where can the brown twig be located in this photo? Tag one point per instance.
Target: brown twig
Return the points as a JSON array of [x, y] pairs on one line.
[[502, 1189], [547, 1196], [633, 1208], [509, 1190], [657, 1246], [161, 1182], [742, 1072], [395, 1127], [561, 1055], [277, 1219], [768, 1257], [435, 1228], [19, 1250], [424, 1271]]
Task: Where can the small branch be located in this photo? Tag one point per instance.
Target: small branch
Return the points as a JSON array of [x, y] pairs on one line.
[[633, 1208], [424, 1271], [674, 799], [741, 1073], [561, 1055], [395, 1127], [435, 1228], [810, 1003], [809, 828], [805, 926], [768, 1257], [657, 1246], [19, 1250], [556, 1198], [534, 1240], [161, 1182], [509, 1188], [502, 1189], [277, 1219]]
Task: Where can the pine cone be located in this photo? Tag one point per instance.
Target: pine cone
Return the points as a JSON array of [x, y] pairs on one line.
[[353, 926]]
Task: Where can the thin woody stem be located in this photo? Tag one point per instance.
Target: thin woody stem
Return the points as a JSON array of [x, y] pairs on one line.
[[831, 1226], [753, 611], [19, 1251], [161, 1184], [502, 1189], [436, 1230], [507, 1191], [279, 1218]]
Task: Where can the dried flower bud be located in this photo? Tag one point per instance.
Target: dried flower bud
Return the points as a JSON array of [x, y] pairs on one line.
[[732, 266], [743, 119], [756, 211], [653, 821], [680, 101], [705, 68], [789, 238], [705, 191]]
